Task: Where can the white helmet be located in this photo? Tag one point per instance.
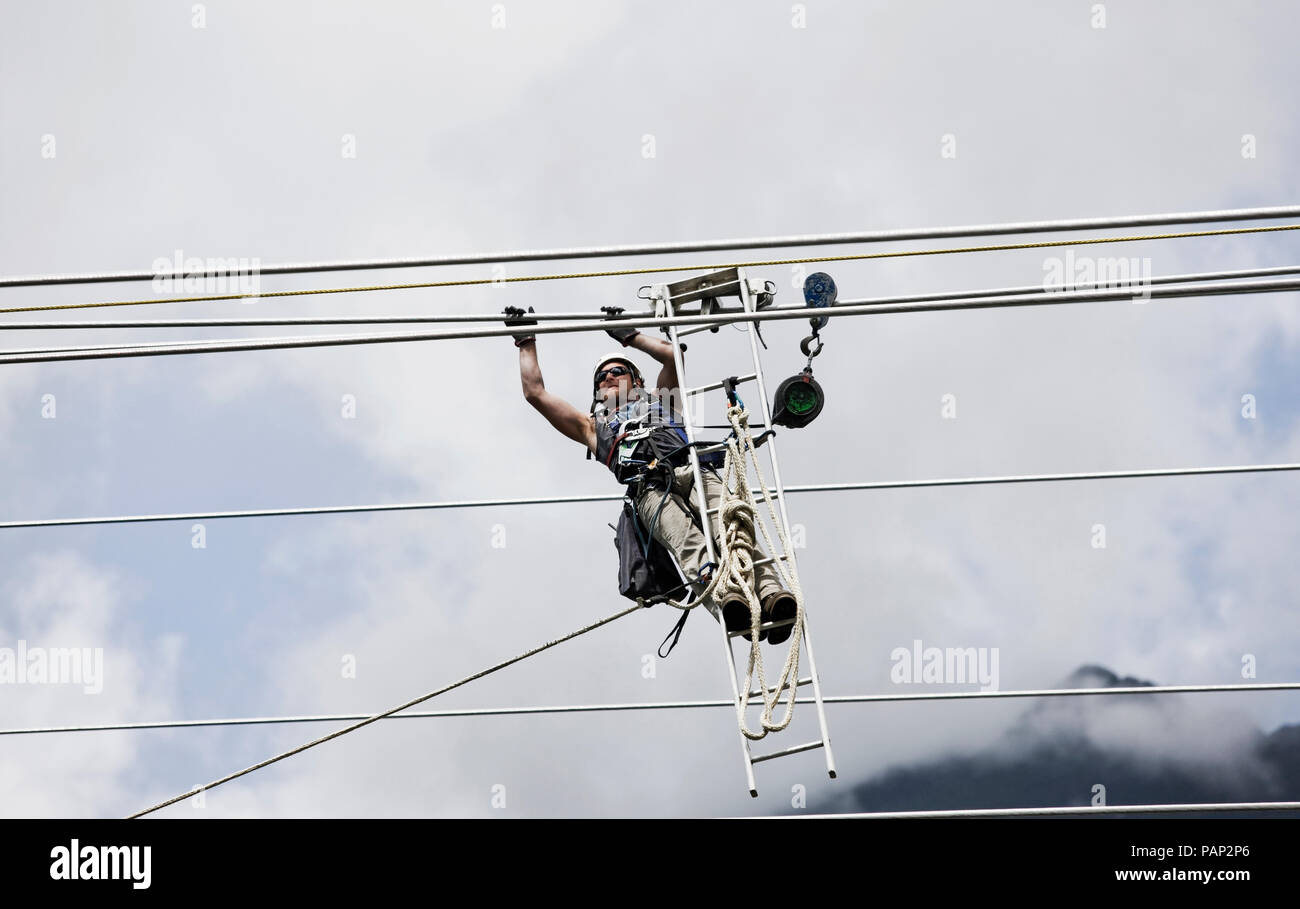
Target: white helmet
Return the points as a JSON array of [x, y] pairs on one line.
[[636, 373]]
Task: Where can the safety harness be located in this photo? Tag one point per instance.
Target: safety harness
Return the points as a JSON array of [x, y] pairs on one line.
[[641, 433]]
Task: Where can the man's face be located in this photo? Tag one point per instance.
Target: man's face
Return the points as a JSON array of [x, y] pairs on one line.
[[615, 389]]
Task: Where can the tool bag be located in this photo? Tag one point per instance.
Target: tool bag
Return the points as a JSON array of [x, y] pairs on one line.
[[645, 567]]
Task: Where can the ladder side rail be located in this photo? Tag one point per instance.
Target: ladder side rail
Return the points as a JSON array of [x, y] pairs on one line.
[[707, 526], [747, 300]]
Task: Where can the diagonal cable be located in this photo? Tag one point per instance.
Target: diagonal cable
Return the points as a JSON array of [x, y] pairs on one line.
[[387, 713]]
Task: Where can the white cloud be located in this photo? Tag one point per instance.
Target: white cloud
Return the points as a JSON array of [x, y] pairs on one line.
[[61, 600], [532, 137]]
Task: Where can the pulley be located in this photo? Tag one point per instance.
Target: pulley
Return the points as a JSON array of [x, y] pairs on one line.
[[799, 399], [819, 292]]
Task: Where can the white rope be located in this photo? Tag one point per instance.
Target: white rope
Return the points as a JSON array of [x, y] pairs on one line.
[[739, 511], [735, 572]]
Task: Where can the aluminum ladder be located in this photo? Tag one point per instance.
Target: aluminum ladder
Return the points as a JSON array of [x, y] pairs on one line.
[[707, 289]]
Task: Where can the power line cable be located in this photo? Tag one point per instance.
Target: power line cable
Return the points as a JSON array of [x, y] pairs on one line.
[[580, 316], [655, 705], [470, 282], [1080, 810], [614, 497], [379, 716], [845, 309], [644, 249]]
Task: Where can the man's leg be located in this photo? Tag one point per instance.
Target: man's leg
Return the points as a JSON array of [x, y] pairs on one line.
[[665, 514], [767, 580], [778, 603]]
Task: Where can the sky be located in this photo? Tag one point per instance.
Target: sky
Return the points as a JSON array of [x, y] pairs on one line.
[[302, 131]]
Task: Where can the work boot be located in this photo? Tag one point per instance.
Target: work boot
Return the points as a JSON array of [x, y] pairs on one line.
[[778, 606], [735, 615]]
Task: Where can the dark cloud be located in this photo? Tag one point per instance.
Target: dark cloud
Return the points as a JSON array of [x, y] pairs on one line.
[[1061, 748]]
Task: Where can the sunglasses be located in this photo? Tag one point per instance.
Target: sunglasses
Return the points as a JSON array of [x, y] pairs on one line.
[[614, 371]]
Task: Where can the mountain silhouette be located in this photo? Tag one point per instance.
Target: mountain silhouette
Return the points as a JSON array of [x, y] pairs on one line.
[[1144, 749]]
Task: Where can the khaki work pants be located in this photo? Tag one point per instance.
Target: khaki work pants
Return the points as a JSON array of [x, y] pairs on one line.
[[675, 529]]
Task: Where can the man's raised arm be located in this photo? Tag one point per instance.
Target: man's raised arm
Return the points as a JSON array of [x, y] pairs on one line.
[[658, 348], [559, 412]]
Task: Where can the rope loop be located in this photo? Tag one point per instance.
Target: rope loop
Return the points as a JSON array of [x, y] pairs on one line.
[[734, 578]]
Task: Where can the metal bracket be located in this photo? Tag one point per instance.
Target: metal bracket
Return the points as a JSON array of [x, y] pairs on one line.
[[658, 296]]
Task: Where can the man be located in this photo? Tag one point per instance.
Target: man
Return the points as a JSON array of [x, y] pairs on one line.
[[629, 426]]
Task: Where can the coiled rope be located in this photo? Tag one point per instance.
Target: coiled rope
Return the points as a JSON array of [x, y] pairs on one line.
[[735, 573]]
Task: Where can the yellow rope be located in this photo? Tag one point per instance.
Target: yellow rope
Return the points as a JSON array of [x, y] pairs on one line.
[[648, 271]]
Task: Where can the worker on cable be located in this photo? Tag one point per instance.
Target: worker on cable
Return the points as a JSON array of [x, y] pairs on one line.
[[629, 428]]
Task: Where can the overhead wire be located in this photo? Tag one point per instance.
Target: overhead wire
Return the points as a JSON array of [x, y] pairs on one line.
[[1233, 274], [613, 497], [844, 309], [379, 716], [655, 705], [1073, 810], [662, 248], [470, 282]]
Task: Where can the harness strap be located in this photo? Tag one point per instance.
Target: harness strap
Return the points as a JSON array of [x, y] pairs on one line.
[[675, 634]]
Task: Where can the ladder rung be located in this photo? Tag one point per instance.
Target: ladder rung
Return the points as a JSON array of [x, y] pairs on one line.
[[715, 385], [699, 328], [772, 491], [799, 684], [795, 750], [704, 426], [764, 626]]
